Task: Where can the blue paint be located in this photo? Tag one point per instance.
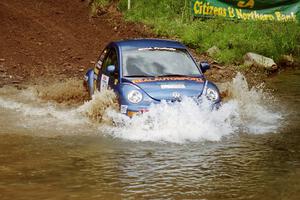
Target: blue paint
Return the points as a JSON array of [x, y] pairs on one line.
[[153, 89]]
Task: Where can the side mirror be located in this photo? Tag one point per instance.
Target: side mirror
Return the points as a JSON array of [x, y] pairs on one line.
[[111, 68], [204, 66]]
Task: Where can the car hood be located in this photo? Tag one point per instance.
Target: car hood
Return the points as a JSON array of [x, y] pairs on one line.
[[170, 88]]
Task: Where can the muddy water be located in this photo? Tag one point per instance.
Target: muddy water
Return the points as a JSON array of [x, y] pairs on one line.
[[249, 149]]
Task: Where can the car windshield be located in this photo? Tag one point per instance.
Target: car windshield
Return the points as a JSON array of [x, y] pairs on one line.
[[158, 62]]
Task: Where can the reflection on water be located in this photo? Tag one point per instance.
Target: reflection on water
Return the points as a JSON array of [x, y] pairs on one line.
[[60, 163], [245, 167]]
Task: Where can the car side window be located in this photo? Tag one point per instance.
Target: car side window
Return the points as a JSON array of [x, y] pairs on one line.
[[111, 59], [101, 58]]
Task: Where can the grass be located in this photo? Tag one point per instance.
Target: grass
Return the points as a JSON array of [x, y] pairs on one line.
[[234, 38]]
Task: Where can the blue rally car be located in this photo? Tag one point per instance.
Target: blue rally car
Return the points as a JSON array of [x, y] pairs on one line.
[[146, 71]]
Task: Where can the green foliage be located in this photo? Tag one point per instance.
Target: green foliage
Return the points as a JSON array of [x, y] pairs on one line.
[[234, 38]]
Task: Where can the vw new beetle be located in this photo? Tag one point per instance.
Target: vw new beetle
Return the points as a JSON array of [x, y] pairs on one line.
[[147, 71]]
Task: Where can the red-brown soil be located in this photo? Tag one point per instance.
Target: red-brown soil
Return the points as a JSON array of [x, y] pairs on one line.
[[50, 39], [45, 40]]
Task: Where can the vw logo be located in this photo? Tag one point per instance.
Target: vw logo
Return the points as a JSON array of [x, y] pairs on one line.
[[177, 96]]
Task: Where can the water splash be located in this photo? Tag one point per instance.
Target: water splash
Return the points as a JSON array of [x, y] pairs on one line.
[[23, 109], [44, 112], [256, 107], [179, 122], [244, 110], [68, 92], [101, 104]]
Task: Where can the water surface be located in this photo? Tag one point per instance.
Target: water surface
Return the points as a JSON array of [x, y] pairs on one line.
[[43, 156]]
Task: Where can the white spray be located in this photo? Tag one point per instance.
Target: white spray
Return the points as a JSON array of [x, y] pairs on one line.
[[247, 110]]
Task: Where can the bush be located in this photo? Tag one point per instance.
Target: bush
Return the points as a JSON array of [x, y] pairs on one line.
[[96, 5]]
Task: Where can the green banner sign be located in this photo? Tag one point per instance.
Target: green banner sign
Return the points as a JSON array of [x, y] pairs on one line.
[[274, 10]]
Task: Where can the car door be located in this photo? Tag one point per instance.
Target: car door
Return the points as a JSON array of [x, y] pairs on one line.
[[109, 80], [100, 60], [97, 69]]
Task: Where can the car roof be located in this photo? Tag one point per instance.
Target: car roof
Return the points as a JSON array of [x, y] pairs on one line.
[[147, 43]]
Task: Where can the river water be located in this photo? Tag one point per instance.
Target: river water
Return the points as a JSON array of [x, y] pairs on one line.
[[249, 149]]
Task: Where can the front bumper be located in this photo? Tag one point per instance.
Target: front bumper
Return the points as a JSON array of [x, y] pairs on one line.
[[137, 110]]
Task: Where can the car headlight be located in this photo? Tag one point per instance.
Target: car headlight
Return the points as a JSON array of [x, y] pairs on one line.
[[212, 94], [135, 96]]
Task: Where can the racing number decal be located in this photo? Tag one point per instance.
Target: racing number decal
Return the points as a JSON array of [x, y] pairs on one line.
[[104, 82]]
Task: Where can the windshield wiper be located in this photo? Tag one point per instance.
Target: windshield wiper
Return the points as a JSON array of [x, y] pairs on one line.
[[165, 75], [176, 75], [136, 76]]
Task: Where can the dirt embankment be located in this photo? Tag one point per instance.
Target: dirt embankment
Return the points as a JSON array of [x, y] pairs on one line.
[[55, 39]]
